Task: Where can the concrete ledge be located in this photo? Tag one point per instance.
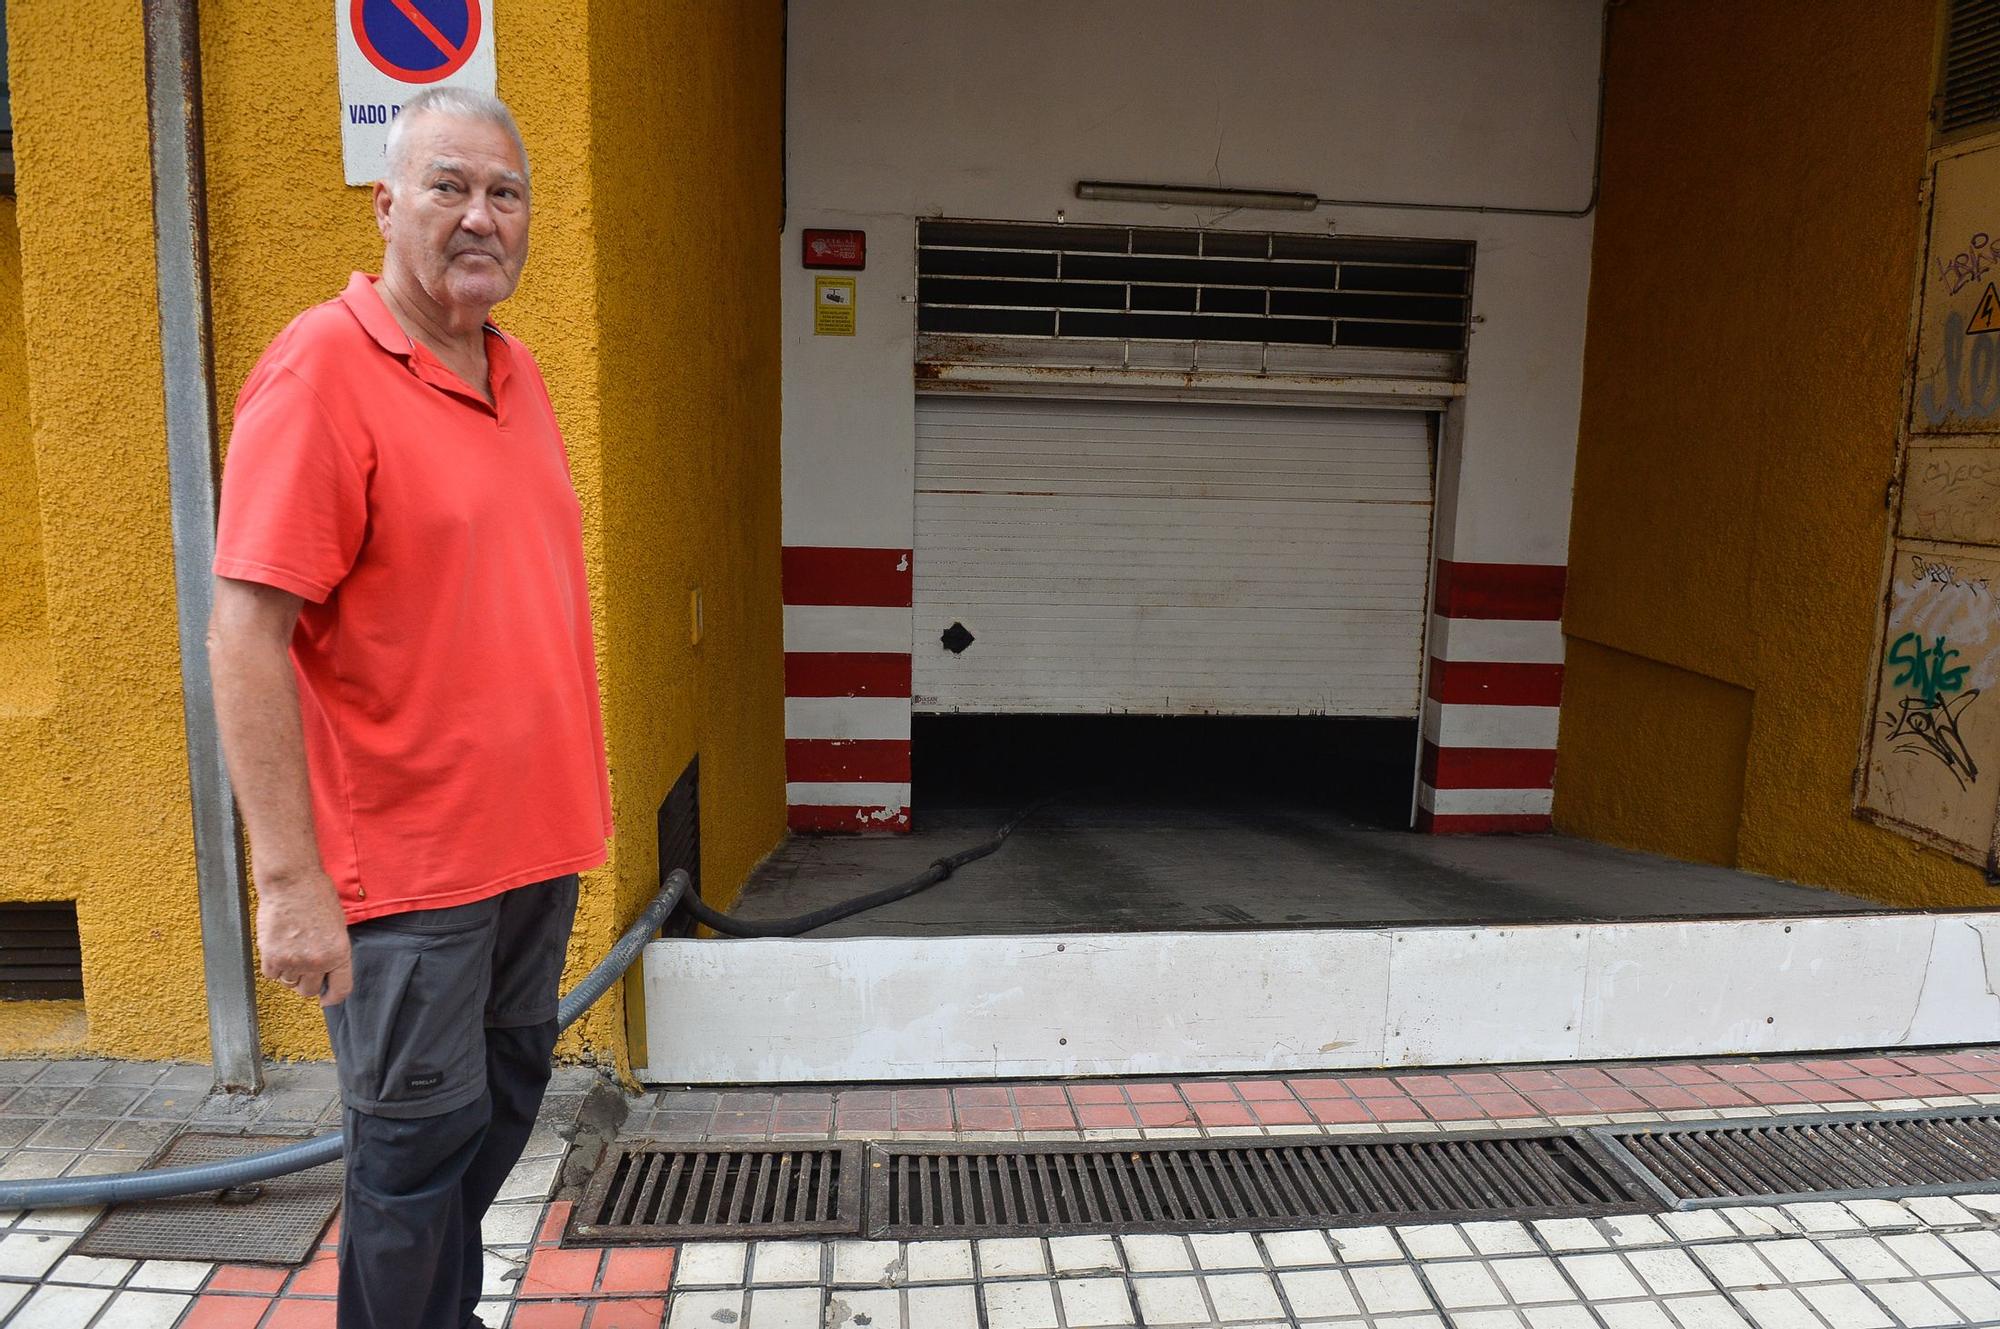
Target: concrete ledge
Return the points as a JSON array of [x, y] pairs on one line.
[[1343, 998]]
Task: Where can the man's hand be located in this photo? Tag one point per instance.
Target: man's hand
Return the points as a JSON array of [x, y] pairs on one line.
[[302, 938]]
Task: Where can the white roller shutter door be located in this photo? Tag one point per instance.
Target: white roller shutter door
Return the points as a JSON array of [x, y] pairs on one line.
[[1170, 558]]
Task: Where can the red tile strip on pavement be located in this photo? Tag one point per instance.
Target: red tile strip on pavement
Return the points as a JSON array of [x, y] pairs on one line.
[[622, 1288], [1328, 1099]]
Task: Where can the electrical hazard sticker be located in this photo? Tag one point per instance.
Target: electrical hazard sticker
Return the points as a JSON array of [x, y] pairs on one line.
[[833, 306], [1986, 318]]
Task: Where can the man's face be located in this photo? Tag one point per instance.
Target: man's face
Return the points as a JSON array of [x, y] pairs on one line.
[[455, 215]]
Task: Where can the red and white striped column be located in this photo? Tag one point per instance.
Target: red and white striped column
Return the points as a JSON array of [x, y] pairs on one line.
[[847, 688], [1489, 756]]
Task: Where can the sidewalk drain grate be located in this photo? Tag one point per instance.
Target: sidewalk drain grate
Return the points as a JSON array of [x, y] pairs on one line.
[[923, 1190], [1694, 1165], [653, 1192], [281, 1225]]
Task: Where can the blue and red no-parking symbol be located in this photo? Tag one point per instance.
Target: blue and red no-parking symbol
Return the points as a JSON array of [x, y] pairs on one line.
[[416, 41]]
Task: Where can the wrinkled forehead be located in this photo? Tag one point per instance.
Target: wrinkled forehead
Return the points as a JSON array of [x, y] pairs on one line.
[[463, 143]]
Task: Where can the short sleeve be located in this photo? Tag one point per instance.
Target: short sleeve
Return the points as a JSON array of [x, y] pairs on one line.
[[294, 491]]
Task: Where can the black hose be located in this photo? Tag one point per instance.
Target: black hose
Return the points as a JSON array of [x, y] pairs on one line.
[[674, 893], [938, 871], [196, 1178]]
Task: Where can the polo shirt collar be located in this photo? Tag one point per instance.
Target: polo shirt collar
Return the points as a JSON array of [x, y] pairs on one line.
[[365, 303]]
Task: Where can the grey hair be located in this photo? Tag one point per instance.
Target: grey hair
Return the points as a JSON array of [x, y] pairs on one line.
[[462, 103]]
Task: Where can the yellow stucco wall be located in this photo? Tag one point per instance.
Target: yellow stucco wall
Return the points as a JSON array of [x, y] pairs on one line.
[[1756, 250], [24, 627], [687, 166], [93, 779], [672, 434]]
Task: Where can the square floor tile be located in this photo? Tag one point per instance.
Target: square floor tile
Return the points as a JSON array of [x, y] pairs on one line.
[[1570, 1234], [1636, 1315], [1865, 1257], [1154, 1254], [145, 1310], [1434, 1241], [785, 1308], [1316, 1293], [773, 1262], [1296, 1249], [1244, 1296], [1925, 1254], [1018, 1305], [1981, 1248], [169, 1275], [1088, 1302], [1499, 1238], [704, 1310], [1226, 1250], [1845, 1305], [1072, 1255], [1734, 1264], [1708, 1312], [1571, 1316], [947, 1304], [1463, 1285], [1914, 1304], [866, 1263], [1171, 1301], [710, 1264], [875, 1308], [938, 1262], [31, 1254], [1012, 1257], [1668, 1272], [91, 1271], [1602, 1277], [1530, 1279], [59, 1307], [1388, 1288], [1487, 1320], [1361, 1245], [1974, 1296]]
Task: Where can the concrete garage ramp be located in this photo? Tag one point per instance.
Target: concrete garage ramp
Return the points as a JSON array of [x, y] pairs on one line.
[[1094, 946], [1112, 868]]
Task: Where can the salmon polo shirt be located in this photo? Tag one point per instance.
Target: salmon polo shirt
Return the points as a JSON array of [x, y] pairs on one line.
[[446, 674]]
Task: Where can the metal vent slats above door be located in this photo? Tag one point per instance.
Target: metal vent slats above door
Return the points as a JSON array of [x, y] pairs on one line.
[[1138, 283], [1971, 92]]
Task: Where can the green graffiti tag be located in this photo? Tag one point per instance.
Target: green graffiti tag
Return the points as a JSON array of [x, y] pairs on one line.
[[1926, 670], [1926, 724]]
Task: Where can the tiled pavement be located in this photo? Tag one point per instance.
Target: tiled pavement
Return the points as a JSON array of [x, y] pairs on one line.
[[1418, 1100], [1857, 1265]]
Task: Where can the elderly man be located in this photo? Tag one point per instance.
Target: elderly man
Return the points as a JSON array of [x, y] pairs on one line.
[[407, 694]]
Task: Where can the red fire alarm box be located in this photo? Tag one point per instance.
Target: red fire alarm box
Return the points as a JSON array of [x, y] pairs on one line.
[[836, 249]]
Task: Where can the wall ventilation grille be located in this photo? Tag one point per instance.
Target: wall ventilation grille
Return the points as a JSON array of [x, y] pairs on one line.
[[1971, 94], [1144, 284], [41, 956]]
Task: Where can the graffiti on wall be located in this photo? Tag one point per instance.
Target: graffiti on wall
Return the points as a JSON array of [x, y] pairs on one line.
[[1958, 320], [1934, 758], [1952, 492]]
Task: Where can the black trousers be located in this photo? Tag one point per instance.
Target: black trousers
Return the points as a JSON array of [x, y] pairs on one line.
[[443, 1054]]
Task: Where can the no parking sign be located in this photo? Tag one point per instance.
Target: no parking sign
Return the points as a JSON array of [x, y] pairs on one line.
[[390, 50]]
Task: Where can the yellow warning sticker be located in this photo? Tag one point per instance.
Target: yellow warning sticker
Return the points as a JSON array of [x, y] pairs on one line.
[[1986, 318], [833, 306]]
